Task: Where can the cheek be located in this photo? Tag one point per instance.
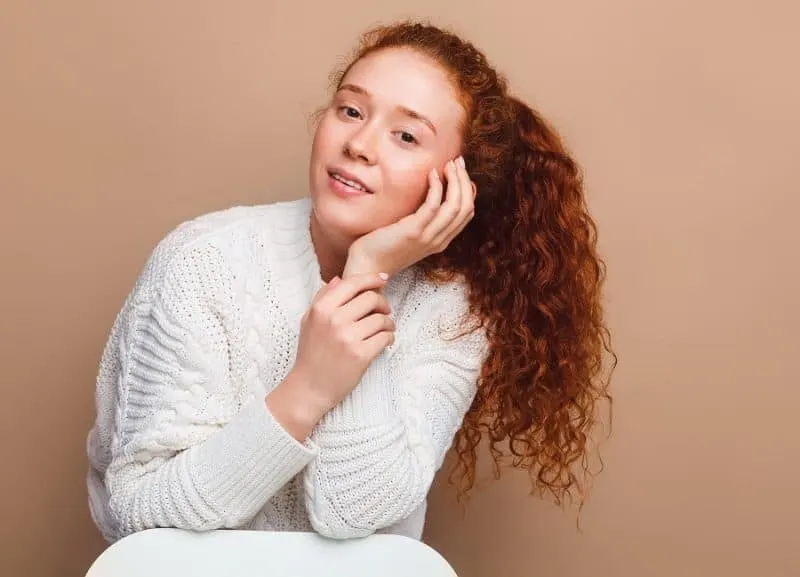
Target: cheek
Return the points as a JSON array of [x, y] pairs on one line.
[[409, 184], [325, 136]]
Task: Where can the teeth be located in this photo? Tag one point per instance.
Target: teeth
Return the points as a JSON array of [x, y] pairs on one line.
[[350, 183]]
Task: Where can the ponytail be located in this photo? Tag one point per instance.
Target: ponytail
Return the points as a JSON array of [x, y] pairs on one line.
[[537, 287]]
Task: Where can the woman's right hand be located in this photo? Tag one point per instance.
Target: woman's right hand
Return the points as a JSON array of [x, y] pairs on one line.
[[346, 327]]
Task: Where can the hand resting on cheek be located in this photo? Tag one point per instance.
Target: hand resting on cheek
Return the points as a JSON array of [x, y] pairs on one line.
[[429, 230]]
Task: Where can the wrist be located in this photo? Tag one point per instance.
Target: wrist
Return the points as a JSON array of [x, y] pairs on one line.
[[296, 405], [360, 263]]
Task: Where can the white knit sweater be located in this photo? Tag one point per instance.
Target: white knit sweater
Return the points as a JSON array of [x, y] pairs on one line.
[[183, 437]]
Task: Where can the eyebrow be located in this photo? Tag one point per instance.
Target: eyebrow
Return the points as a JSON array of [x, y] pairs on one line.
[[407, 111]]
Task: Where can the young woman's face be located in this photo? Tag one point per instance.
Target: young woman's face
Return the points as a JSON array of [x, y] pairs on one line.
[[395, 117]]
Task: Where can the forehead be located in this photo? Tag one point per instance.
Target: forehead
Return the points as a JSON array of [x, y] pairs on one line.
[[400, 77]]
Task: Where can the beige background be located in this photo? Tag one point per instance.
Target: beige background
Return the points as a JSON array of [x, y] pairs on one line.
[[120, 119]]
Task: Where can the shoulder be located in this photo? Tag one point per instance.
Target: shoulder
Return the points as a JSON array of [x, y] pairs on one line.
[[439, 312], [212, 242], [229, 224], [421, 296]]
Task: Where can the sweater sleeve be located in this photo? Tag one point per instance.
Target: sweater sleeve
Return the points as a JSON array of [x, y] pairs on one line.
[[191, 449], [381, 447]]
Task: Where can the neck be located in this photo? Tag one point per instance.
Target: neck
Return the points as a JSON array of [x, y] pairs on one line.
[[332, 255]]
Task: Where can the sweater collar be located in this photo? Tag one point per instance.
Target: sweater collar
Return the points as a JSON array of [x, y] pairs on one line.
[[295, 270]]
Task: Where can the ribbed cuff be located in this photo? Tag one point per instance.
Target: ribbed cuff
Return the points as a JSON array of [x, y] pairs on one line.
[[242, 466]]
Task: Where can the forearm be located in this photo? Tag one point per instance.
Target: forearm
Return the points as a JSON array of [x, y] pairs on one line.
[[297, 406], [220, 482]]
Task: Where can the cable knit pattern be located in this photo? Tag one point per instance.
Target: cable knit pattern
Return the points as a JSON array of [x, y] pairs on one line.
[[183, 437]]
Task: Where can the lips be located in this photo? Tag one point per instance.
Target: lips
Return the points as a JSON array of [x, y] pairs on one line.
[[348, 179]]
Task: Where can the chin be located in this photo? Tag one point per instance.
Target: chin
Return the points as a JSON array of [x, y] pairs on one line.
[[344, 223]]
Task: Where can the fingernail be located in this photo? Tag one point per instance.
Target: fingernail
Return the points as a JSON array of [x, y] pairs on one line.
[[383, 275], [461, 161]]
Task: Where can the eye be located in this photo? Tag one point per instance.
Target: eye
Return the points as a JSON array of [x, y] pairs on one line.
[[408, 138], [350, 112]]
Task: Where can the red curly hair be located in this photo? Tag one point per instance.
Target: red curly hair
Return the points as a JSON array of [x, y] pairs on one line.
[[536, 289]]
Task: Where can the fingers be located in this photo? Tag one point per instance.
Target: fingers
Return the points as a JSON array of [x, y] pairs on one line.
[[459, 207], [467, 208], [427, 210], [469, 188], [343, 291], [374, 345], [449, 208], [435, 190], [363, 304], [372, 325]]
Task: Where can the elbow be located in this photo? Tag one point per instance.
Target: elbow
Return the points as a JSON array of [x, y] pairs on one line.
[[360, 511], [120, 516], [334, 518], [338, 529]]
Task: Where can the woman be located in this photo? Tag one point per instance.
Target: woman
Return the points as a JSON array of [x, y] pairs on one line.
[[306, 365]]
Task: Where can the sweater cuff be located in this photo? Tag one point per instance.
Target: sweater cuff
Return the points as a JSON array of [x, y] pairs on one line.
[[252, 459]]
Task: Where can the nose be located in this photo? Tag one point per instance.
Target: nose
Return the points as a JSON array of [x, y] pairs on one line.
[[361, 145]]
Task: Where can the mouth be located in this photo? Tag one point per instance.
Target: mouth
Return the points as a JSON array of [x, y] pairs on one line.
[[348, 180]]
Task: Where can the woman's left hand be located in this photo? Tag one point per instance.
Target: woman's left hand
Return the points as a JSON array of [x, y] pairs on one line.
[[427, 231]]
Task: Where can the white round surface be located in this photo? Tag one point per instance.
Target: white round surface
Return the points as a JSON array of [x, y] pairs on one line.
[[177, 553]]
